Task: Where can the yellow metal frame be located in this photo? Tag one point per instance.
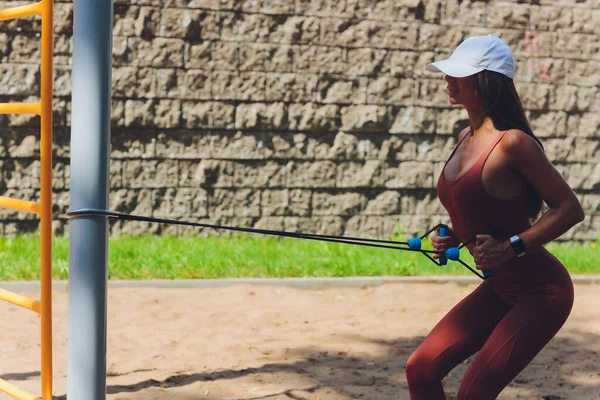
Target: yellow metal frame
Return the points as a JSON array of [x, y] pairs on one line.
[[43, 208]]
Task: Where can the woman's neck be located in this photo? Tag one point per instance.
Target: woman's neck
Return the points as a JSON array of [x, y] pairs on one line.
[[479, 122]]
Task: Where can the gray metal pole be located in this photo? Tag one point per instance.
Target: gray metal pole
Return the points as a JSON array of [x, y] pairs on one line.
[[90, 152]]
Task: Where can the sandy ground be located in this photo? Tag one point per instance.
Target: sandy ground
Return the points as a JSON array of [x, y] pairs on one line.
[[256, 342]]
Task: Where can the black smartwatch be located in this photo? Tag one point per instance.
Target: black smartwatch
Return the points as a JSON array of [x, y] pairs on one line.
[[517, 245]]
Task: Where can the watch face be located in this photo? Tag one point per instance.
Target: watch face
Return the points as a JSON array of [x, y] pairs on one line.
[[518, 246]]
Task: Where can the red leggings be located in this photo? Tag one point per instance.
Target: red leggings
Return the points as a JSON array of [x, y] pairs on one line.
[[507, 337]]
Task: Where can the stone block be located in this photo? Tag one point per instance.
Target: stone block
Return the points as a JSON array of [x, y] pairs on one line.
[[208, 114], [504, 14], [434, 37], [391, 90], [132, 20], [63, 18], [133, 82], [237, 145], [368, 33], [292, 88], [454, 12], [314, 117], [397, 148], [259, 175], [450, 121], [572, 99], [535, 96], [385, 203], [412, 120], [364, 226], [277, 7], [198, 85], [183, 144], [261, 116], [151, 173], [189, 24], [551, 19], [206, 174], [132, 144], [156, 52], [364, 118], [548, 123], [341, 90], [333, 226], [286, 202], [320, 174], [410, 174], [265, 57], [270, 223], [365, 62], [337, 204], [582, 176], [167, 114], [244, 86], [21, 174], [437, 148], [321, 59], [580, 73], [242, 27], [420, 203], [213, 55], [19, 80], [585, 124], [289, 146], [180, 203], [238, 203], [296, 29], [139, 202], [432, 93], [139, 113], [25, 49], [172, 83], [356, 175]]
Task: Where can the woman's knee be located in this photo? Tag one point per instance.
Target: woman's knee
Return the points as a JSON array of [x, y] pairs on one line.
[[418, 368]]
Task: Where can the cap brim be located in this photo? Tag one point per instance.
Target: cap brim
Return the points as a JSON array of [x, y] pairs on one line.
[[453, 68]]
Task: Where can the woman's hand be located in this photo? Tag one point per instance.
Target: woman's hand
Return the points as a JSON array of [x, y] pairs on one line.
[[443, 243], [490, 253]]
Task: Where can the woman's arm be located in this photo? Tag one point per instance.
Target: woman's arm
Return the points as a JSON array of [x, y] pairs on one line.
[[565, 210]]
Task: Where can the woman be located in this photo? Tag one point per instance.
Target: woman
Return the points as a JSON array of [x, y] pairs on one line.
[[492, 184]]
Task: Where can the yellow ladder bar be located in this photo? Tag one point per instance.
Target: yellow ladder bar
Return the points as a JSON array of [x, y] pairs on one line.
[[15, 391], [21, 108], [22, 11], [20, 205], [44, 207], [20, 300]]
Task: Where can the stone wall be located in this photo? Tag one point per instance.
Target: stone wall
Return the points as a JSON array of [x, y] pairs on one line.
[[303, 115]]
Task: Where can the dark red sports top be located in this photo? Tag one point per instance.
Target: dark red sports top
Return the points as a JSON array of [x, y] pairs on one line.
[[473, 211]]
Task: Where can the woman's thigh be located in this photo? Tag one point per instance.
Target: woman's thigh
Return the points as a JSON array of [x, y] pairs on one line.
[[516, 340], [460, 333]]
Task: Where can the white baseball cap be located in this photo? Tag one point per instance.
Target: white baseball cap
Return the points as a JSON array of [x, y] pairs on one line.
[[476, 54]]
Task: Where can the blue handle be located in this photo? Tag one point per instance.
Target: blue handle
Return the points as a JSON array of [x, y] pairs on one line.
[[487, 273], [443, 233]]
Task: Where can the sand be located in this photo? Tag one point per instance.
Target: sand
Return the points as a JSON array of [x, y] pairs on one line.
[[257, 342]]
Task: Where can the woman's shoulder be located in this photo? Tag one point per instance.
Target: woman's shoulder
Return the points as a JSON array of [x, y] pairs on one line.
[[517, 144]]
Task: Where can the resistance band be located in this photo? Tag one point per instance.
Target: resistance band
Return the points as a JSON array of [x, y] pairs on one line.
[[413, 244]]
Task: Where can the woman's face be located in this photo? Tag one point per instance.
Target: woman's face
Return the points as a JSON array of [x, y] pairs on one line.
[[460, 90]]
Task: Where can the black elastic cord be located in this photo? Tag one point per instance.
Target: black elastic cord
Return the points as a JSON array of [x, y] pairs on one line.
[[327, 238], [385, 244]]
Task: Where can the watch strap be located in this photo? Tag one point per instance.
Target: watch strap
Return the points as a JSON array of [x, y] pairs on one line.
[[517, 245]]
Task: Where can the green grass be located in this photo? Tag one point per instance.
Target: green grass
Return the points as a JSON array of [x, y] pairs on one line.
[[164, 257]]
